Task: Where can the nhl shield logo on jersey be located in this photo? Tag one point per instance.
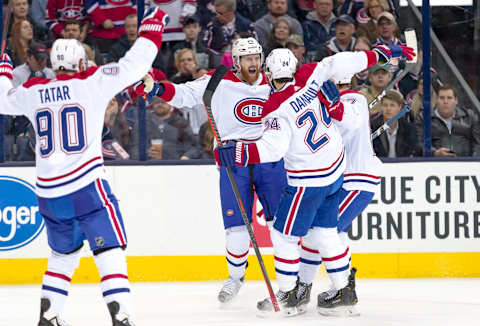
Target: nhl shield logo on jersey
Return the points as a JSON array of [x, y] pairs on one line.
[[20, 221], [249, 110]]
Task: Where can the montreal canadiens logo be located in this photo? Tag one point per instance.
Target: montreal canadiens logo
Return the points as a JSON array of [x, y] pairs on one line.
[[249, 110], [73, 13]]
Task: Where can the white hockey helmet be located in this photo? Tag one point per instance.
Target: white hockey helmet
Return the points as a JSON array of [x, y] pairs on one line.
[[280, 64], [343, 80], [245, 46], [66, 55]]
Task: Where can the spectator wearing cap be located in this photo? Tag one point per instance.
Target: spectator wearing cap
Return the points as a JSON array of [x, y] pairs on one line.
[[19, 40], [343, 39], [34, 66], [279, 35], [19, 11], [191, 29], [319, 27], [108, 21], [221, 31], [400, 140], [61, 11], [297, 46], [379, 76], [386, 27], [126, 41], [276, 9]]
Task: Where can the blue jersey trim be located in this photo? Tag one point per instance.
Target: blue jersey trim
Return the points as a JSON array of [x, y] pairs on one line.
[[70, 181], [319, 176], [114, 291], [52, 289], [236, 265], [310, 262], [286, 273]]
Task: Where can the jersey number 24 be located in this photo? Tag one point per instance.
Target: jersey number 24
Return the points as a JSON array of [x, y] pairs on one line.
[[71, 128], [309, 118]]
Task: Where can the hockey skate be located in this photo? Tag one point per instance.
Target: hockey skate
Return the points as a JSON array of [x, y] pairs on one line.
[[118, 319], [46, 320], [303, 296], [288, 302], [230, 289], [341, 302]]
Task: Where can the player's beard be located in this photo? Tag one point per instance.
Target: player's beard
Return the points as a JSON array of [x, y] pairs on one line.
[[248, 77]]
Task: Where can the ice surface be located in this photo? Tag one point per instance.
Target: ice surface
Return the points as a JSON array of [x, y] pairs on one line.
[[406, 302]]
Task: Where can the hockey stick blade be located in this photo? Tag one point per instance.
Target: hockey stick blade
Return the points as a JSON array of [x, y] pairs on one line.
[[207, 100], [387, 124]]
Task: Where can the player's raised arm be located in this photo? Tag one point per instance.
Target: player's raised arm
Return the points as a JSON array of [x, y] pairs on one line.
[[115, 77], [8, 98], [188, 94], [347, 63]]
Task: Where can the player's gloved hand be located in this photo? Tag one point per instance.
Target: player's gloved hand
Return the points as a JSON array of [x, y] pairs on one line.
[[386, 53], [6, 67], [236, 154], [153, 23], [147, 87], [330, 97]]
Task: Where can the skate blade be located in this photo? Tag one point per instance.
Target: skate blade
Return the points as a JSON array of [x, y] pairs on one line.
[[344, 311], [284, 312], [302, 309]]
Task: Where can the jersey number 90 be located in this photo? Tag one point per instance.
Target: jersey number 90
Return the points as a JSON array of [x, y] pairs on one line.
[[71, 128]]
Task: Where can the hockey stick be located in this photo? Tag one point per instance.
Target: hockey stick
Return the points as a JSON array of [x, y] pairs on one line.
[[207, 100], [4, 30], [387, 124], [411, 40]]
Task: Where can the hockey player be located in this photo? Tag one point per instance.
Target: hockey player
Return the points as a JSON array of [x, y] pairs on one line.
[[74, 198], [237, 107], [300, 129], [361, 180]]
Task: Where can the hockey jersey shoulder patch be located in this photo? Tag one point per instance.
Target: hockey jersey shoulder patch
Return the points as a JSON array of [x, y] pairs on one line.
[[111, 69]]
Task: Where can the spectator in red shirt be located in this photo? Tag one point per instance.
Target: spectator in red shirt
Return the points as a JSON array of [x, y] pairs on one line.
[[61, 11], [108, 17]]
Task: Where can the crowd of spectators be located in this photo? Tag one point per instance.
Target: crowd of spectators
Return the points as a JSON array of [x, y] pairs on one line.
[[199, 37]]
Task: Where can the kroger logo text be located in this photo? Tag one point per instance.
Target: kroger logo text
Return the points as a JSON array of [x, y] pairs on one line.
[[20, 222]]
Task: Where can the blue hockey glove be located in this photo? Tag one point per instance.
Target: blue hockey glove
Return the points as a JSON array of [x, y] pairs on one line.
[[236, 154], [330, 97], [147, 87], [387, 53]]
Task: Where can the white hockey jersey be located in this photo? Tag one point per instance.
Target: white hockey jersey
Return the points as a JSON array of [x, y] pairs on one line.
[[236, 106], [364, 168], [298, 127], [68, 113]]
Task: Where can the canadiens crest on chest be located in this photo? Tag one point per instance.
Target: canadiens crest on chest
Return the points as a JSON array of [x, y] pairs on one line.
[[249, 110]]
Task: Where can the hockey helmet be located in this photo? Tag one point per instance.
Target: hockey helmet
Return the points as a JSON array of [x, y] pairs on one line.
[[245, 46], [66, 55], [280, 64]]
